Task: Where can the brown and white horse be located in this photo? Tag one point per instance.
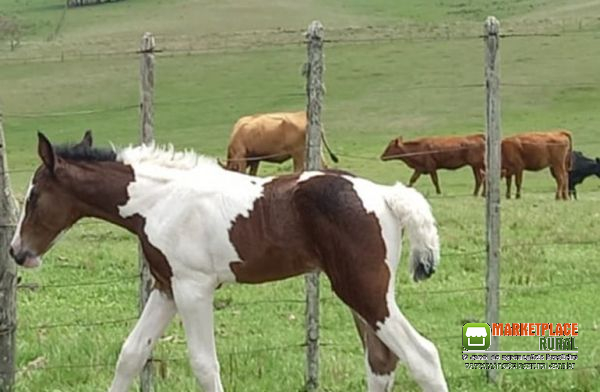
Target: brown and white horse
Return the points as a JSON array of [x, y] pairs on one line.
[[201, 226]]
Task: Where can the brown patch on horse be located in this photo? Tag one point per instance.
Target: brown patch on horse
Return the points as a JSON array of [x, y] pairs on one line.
[[382, 360], [349, 242], [93, 184], [157, 262], [92, 193], [316, 223], [270, 240]]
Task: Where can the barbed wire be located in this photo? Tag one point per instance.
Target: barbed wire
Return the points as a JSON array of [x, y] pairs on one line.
[[72, 113], [119, 280], [229, 46], [81, 324]]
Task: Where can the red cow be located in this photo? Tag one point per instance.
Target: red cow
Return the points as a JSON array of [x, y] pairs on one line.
[[535, 151], [427, 155]]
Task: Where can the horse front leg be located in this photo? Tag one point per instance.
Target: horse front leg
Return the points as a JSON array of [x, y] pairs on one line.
[[194, 299], [157, 314]]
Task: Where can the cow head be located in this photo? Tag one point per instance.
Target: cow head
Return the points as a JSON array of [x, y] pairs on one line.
[[393, 149]]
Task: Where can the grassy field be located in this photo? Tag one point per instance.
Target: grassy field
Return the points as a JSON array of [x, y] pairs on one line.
[[223, 59]]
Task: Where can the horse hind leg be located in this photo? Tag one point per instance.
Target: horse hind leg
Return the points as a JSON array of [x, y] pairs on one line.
[[380, 361], [371, 296], [417, 352]]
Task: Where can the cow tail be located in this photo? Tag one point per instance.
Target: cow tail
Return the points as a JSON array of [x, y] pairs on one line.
[[333, 157], [413, 212], [569, 161]]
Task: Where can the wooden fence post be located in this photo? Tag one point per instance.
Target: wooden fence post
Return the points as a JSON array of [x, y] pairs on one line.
[[147, 137], [314, 91], [8, 276], [493, 153]]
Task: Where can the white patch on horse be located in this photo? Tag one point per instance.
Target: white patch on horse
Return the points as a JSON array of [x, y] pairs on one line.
[[306, 175], [15, 243], [373, 200], [189, 204], [377, 382], [158, 313], [400, 207]]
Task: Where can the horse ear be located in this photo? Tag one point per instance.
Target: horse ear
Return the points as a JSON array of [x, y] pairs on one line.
[[398, 141], [87, 139], [46, 151]]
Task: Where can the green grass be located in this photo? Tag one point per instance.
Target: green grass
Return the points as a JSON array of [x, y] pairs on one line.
[[375, 91]]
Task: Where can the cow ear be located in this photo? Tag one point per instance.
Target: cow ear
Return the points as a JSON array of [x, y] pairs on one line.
[[87, 139], [46, 151]]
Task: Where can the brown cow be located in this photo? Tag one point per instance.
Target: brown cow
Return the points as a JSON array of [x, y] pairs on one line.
[[271, 137], [427, 155], [535, 151]]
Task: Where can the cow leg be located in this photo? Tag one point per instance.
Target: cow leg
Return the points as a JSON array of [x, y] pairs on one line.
[[565, 185], [434, 179], [298, 159], [253, 167], [557, 177], [380, 362], [478, 180], [482, 175], [194, 299], [415, 176], [518, 182], [508, 184]]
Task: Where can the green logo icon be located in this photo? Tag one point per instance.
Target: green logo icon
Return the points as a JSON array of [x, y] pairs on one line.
[[476, 336]]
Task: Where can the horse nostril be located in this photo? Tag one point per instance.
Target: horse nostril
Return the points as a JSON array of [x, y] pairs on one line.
[[13, 254]]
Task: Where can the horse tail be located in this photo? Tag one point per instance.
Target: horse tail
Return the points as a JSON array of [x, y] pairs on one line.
[[413, 212]]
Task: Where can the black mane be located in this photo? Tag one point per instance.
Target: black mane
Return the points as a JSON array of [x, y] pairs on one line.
[[79, 152]]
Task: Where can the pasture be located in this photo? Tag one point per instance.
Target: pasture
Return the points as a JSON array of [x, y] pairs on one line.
[[421, 75]]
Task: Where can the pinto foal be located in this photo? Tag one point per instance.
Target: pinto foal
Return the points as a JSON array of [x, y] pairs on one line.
[[200, 226]]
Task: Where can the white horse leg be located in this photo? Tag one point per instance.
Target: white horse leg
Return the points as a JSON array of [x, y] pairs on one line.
[[194, 300], [418, 353], [378, 382], [380, 362], [157, 314]]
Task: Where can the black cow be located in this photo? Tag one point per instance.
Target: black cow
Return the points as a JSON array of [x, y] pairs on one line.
[[581, 168]]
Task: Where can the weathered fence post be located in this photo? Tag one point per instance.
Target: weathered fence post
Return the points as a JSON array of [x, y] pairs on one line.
[[8, 275], [314, 91], [493, 153], [147, 136]]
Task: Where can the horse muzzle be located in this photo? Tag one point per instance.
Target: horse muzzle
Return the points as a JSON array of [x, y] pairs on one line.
[[24, 258]]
